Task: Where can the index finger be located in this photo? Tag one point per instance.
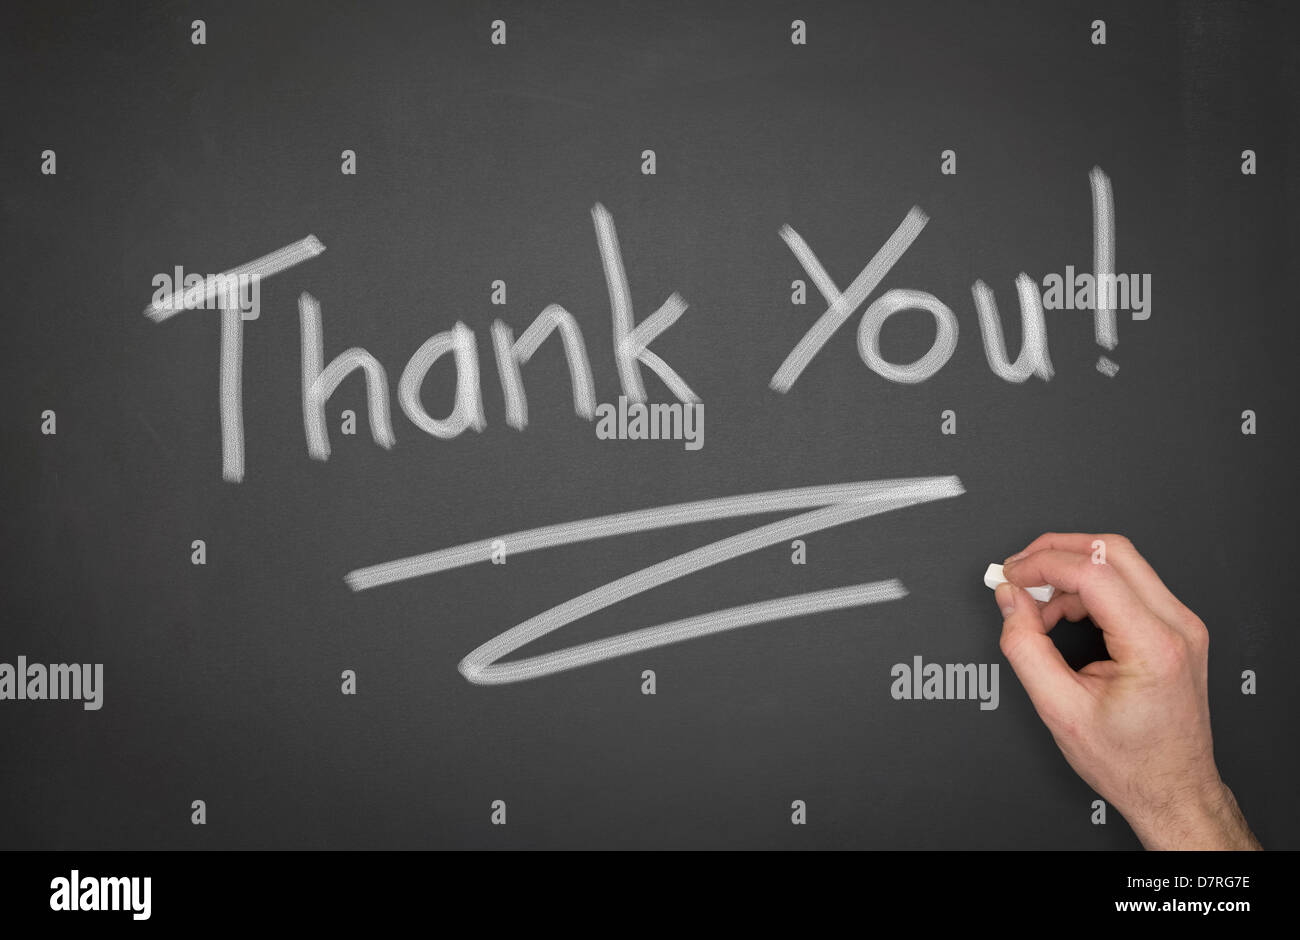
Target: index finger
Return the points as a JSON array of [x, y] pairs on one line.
[[1118, 551], [1106, 596]]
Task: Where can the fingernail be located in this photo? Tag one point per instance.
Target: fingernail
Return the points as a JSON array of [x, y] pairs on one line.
[[1016, 557], [1006, 596]]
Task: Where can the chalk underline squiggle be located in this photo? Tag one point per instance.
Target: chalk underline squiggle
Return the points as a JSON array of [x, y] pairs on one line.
[[831, 506]]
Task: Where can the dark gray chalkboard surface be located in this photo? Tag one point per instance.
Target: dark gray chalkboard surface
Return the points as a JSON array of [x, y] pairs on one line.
[[478, 161]]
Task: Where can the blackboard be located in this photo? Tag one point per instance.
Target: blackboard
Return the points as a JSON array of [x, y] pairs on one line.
[[482, 139]]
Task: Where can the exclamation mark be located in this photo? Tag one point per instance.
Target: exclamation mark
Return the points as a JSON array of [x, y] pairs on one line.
[[1103, 267]]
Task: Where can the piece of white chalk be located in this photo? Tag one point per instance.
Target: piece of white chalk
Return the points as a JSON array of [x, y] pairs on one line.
[[993, 577]]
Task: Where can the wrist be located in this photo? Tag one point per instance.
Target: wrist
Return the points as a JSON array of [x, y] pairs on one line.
[[1205, 818]]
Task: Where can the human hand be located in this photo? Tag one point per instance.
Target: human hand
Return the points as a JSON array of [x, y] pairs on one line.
[[1135, 727]]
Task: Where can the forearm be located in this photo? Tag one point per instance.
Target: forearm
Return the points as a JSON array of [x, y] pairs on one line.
[[1207, 820]]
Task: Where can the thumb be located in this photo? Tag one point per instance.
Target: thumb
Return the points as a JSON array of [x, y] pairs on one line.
[[1052, 685]]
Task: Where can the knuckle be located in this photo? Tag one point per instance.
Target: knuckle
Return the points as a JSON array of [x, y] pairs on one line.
[[1011, 643], [1008, 644], [1065, 725], [1096, 575], [1065, 722], [1197, 633], [1116, 542], [1168, 652]]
